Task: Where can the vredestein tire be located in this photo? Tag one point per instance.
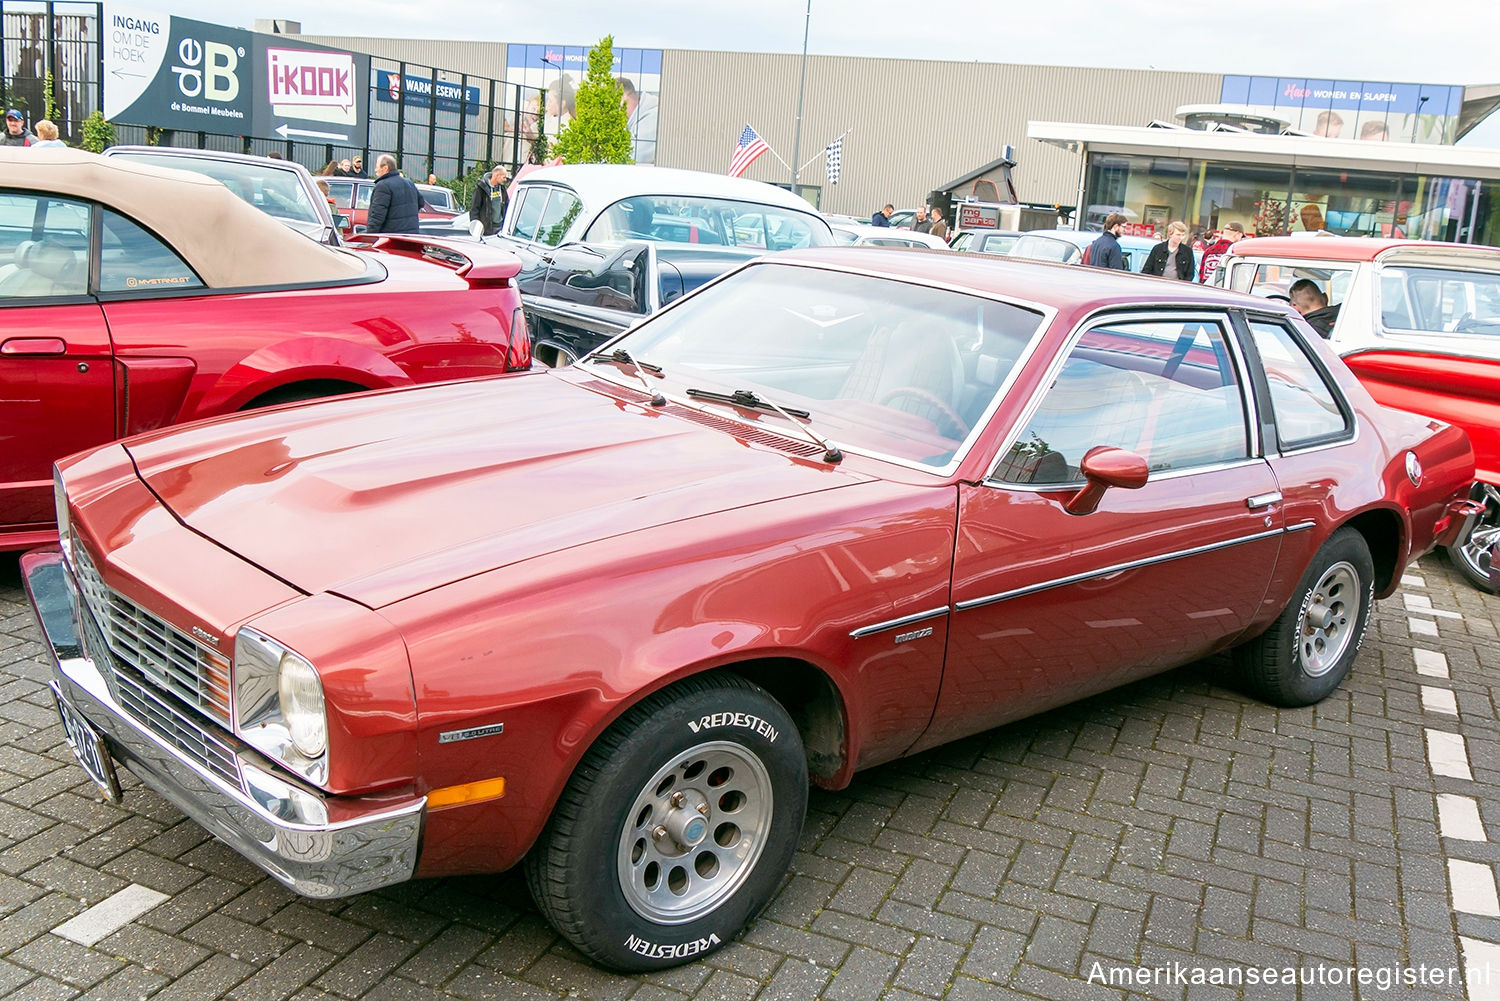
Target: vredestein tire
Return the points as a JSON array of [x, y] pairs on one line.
[[1470, 554], [676, 828], [1308, 651]]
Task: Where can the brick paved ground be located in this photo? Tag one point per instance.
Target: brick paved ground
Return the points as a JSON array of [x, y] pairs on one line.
[[1174, 820]]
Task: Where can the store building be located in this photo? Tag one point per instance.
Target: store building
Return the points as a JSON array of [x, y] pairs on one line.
[[1279, 184]]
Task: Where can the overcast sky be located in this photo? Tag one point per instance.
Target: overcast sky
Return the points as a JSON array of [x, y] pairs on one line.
[[1439, 42]]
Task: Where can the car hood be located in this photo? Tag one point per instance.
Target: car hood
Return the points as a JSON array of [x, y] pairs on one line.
[[381, 496]]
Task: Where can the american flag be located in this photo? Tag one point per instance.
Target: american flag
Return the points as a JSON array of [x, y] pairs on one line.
[[834, 153], [750, 147]]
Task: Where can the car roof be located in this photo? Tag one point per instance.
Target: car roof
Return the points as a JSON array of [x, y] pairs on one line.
[[1042, 282], [204, 154], [189, 212], [610, 182], [1351, 248]]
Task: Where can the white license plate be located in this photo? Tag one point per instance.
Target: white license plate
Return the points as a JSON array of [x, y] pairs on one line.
[[89, 748]]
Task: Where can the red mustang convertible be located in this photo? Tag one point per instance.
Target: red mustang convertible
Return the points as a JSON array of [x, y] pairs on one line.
[[134, 296], [836, 507]]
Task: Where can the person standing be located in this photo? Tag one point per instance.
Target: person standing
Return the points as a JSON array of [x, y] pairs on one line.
[[937, 227], [46, 135], [395, 203], [357, 167], [882, 217], [1172, 258], [488, 203], [1105, 251], [15, 133], [919, 221], [1231, 234]]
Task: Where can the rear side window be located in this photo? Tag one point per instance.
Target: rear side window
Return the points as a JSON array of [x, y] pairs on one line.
[[44, 246], [1440, 300], [132, 260], [1305, 405], [1166, 390]]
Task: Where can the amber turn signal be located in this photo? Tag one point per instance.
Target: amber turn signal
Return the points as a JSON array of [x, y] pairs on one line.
[[469, 792]]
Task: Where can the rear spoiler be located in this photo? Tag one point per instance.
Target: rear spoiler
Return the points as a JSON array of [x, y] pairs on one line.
[[478, 264]]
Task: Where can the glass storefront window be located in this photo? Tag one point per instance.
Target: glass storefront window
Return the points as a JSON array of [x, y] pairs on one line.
[[1249, 194], [1149, 191], [1347, 203]]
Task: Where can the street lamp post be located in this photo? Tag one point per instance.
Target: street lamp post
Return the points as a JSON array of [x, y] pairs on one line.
[[801, 92], [1416, 120]]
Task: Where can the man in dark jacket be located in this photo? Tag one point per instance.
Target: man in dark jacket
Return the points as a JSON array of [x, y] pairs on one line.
[[1105, 251], [1310, 301], [489, 201], [395, 203], [15, 133], [882, 217]]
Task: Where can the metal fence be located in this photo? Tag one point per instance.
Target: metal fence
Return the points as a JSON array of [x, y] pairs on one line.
[[490, 121]]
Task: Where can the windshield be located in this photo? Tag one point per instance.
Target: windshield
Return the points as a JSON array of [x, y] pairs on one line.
[[1439, 299], [1275, 281], [1046, 248], [275, 191], [712, 221], [435, 196], [882, 366]]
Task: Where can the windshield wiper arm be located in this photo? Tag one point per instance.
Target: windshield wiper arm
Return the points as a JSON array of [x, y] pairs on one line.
[[619, 356], [751, 401]]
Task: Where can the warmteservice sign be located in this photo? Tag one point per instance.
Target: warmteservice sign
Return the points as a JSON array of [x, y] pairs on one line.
[[177, 73]]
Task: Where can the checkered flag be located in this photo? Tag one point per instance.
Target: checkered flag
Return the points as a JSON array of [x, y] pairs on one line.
[[834, 153]]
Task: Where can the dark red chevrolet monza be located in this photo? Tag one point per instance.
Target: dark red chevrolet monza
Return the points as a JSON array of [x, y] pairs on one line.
[[611, 620]]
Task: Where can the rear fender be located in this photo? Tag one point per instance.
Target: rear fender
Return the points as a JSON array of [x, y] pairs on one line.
[[300, 360]]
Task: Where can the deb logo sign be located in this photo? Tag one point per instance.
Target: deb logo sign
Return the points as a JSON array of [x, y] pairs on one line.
[[208, 69], [311, 78]]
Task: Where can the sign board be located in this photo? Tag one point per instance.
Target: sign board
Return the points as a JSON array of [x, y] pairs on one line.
[[177, 73], [972, 216], [1139, 229], [422, 91], [1353, 109]]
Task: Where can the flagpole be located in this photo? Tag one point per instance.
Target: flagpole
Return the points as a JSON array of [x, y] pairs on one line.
[[823, 150], [801, 93]]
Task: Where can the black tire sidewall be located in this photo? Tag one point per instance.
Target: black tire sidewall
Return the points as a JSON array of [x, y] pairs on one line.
[[748, 716], [1297, 686]]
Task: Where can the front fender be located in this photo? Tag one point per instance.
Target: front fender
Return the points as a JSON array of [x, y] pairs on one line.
[[300, 360]]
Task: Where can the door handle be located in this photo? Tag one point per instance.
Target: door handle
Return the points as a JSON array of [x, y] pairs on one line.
[[34, 346], [1263, 500]]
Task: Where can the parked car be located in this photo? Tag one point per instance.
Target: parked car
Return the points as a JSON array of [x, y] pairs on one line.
[[134, 297], [1419, 323], [351, 196], [1066, 246], [620, 614], [611, 203], [438, 199], [985, 241], [280, 188], [850, 235], [580, 295]]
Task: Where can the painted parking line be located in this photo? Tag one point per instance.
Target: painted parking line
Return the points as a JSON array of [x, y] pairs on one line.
[[1448, 755], [1481, 969], [1439, 700], [1422, 605], [1473, 886], [109, 915], [1421, 627], [1458, 817], [1431, 663], [1412, 580]]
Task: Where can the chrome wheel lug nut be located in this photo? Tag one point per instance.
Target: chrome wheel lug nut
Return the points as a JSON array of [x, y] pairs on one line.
[[659, 833]]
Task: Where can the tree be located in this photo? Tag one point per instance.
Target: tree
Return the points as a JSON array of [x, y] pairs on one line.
[[98, 134], [600, 130]]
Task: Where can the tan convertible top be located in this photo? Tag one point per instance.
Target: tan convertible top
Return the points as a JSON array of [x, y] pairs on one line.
[[229, 243]]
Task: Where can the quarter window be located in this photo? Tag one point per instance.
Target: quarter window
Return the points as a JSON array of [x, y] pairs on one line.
[[1305, 405], [132, 260], [562, 208], [44, 246], [533, 199], [1166, 390]]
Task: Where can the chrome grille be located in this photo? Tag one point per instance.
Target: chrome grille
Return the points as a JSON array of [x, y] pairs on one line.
[[149, 652], [162, 714]]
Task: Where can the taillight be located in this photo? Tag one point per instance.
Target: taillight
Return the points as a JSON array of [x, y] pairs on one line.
[[518, 353]]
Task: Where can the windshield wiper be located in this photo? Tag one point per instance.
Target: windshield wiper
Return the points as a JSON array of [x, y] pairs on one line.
[[750, 401], [619, 356]]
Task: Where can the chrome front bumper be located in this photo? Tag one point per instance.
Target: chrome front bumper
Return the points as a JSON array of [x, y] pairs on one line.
[[320, 846]]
